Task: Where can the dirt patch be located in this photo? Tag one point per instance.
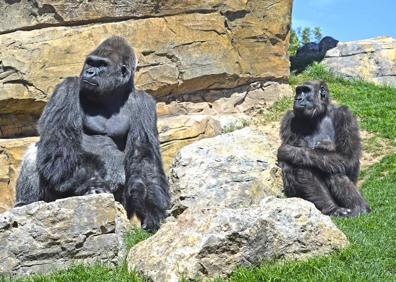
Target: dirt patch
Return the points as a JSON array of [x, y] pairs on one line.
[[375, 148]]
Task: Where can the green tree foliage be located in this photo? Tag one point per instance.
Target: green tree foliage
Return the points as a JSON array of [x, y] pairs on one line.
[[294, 43], [306, 35], [301, 36], [317, 33]]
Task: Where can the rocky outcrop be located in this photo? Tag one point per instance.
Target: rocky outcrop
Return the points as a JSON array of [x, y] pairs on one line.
[[249, 99], [43, 237], [232, 170], [373, 60], [212, 242], [27, 15]]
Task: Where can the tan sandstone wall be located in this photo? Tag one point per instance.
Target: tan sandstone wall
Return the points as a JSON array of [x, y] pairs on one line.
[[211, 64]]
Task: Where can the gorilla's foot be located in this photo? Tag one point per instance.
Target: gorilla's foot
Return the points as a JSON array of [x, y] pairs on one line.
[[151, 222], [341, 212], [97, 186], [151, 225], [360, 210]]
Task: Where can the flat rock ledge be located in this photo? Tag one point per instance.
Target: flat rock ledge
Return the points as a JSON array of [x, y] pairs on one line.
[[43, 237], [212, 242]]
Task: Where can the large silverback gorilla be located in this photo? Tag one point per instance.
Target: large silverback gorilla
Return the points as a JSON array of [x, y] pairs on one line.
[[320, 153], [99, 135]]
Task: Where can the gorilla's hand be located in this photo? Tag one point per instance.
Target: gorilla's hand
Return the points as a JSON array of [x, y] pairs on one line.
[[150, 215], [326, 145], [284, 152], [87, 177], [328, 162], [151, 223]]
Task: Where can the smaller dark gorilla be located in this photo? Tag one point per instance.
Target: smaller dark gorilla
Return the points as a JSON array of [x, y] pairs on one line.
[[320, 153], [99, 135]]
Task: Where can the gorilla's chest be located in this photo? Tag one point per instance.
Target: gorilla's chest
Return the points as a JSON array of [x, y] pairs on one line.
[[323, 132], [115, 126]]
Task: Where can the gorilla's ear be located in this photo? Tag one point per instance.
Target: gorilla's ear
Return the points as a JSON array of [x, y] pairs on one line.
[[324, 93], [134, 67], [125, 71]]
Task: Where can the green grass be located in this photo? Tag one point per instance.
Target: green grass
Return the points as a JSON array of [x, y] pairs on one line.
[[87, 274], [135, 236], [371, 255]]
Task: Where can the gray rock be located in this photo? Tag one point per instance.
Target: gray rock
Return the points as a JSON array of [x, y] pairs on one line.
[[373, 60], [42, 237], [212, 242], [234, 170]]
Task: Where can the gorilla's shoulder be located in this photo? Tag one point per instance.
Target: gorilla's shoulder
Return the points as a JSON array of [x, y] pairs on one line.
[[286, 124], [343, 111], [71, 80], [289, 115], [343, 115], [69, 83], [144, 94], [143, 97]]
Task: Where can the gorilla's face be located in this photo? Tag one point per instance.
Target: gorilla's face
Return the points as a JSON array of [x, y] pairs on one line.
[[311, 99], [108, 69], [102, 76]]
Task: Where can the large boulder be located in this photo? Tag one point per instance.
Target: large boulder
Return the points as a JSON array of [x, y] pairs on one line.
[[212, 242], [373, 60], [43, 237], [234, 170]]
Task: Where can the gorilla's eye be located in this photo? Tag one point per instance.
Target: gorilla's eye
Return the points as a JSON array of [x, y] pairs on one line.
[[96, 62]]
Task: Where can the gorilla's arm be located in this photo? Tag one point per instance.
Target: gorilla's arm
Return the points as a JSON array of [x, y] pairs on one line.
[[60, 159], [340, 161], [147, 188]]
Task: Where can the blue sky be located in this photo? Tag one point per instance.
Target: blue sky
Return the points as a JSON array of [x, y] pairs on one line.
[[347, 20]]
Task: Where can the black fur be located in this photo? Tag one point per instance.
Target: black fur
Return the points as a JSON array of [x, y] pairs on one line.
[[320, 152], [97, 134]]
